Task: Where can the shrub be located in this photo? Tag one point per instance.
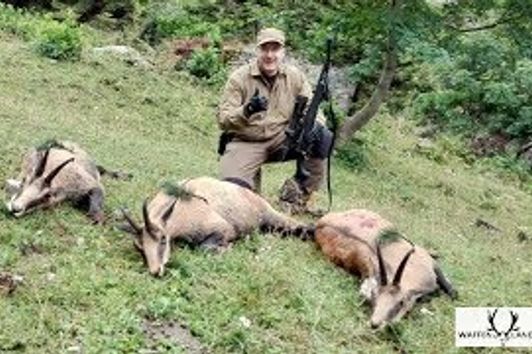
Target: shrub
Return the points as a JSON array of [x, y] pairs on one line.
[[353, 154], [59, 40], [172, 20], [204, 63], [482, 89], [54, 39], [16, 21]]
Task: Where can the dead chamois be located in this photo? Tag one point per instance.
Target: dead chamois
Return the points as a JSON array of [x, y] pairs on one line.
[[203, 212], [364, 244], [55, 172]]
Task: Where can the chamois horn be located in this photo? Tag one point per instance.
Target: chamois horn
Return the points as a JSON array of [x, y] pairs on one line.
[[147, 223], [382, 268], [401, 268], [55, 171], [129, 219]]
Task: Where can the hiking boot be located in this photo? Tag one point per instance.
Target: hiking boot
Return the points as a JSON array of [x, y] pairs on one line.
[[294, 199]]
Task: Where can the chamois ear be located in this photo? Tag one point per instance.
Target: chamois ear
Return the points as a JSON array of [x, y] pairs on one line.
[[131, 227], [382, 268], [168, 211], [55, 171], [401, 268]]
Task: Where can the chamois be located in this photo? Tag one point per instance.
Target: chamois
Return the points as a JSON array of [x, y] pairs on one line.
[[55, 172], [365, 244], [203, 211]]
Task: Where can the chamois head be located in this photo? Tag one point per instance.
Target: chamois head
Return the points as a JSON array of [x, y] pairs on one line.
[[151, 239], [35, 190], [390, 301]]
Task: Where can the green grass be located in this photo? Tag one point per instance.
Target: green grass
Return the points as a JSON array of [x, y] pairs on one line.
[[86, 286]]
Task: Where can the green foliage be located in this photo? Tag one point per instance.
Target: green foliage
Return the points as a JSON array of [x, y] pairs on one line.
[[445, 149], [482, 88], [59, 40], [204, 63], [353, 154], [53, 39], [171, 19], [17, 21]]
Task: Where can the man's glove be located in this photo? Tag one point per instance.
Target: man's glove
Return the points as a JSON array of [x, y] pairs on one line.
[[257, 103]]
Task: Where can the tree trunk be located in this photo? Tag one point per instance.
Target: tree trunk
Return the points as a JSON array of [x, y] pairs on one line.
[[363, 116]]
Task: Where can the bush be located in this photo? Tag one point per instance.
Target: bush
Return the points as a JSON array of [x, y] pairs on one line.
[[59, 41], [171, 20], [353, 154], [482, 89], [204, 63], [54, 39], [16, 21]]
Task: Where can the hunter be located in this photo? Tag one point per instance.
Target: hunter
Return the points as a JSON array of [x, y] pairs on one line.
[[255, 110]]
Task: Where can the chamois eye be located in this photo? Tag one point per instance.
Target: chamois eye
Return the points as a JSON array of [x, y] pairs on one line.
[[163, 240]]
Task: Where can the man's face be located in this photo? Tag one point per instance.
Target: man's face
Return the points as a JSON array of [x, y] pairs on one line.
[[270, 56]]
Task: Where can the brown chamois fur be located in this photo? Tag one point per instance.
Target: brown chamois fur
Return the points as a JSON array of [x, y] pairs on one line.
[[364, 244], [56, 172], [207, 212]]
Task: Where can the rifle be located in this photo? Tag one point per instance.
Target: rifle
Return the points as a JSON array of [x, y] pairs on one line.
[[302, 132]]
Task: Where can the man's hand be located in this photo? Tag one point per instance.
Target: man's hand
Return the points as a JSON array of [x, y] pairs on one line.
[[257, 103]]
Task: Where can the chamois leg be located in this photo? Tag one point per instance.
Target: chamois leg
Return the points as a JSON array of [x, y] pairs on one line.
[[96, 205], [274, 221], [214, 241], [114, 174], [445, 284]]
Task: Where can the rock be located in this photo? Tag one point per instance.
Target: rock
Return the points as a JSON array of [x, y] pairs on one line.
[[125, 53], [427, 131], [246, 322]]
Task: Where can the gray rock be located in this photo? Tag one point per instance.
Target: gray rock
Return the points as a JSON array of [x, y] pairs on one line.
[[122, 52]]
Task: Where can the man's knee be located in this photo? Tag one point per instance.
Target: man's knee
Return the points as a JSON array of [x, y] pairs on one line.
[[323, 143], [238, 164]]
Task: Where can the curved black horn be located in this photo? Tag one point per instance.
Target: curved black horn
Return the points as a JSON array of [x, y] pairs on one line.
[[169, 211], [42, 164], [55, 171], [147, 223], [382, 268], [129, 219], [401, 268]]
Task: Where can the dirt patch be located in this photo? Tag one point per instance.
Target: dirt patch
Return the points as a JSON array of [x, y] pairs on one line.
[[174, 332], [489, 145]]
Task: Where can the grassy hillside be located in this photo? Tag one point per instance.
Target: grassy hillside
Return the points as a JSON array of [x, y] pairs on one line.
[[86, 289]]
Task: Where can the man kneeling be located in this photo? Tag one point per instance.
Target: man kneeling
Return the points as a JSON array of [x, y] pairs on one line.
[[256, 108]]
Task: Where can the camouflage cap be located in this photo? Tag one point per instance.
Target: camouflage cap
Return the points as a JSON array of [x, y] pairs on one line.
[[270, 35]]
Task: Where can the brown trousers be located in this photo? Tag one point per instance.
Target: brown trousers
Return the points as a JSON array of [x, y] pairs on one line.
[[243, 160]]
